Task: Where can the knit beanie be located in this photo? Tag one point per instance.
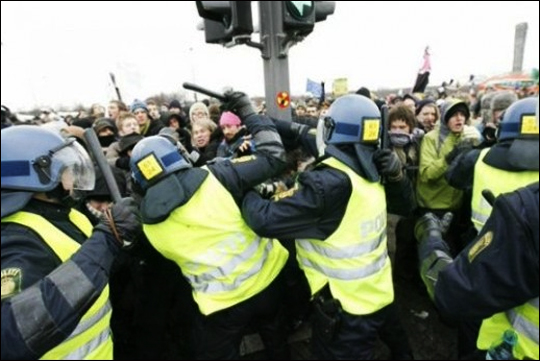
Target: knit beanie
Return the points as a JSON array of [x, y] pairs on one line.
[[502, 100], [423, 103], [103, 123], [228, 118], [138, 104], [175, 104], [412, 97], [364, 91], [198, 106]]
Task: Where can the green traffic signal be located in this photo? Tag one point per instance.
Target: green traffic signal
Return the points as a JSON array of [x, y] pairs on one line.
[[300, 10], [299, 17]]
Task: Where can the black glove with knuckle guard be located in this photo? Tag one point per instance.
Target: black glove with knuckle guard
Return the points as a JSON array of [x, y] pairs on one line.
[[388, 164], [459, 148], [238, 103], [431, 225], [123, 221]]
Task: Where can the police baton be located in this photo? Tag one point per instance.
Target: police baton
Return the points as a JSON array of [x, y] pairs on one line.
[[97, 153], [200, 89]]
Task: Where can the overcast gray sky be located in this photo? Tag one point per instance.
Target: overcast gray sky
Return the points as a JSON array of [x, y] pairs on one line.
[[61, 53]]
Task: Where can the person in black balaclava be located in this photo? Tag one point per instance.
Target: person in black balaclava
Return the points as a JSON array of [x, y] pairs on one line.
[[106, 132]]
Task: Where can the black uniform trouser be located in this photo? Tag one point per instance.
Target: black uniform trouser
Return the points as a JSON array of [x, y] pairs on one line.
[[218, 336], [355, 338], [406, 259], [393, 334], [151, 306], [467, 335]]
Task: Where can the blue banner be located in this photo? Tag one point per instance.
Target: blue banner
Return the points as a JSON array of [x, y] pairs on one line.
[[314, 88]]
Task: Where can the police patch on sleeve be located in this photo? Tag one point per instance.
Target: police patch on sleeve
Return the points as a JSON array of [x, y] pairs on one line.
[[285, 194], [244, 159], [11, 282], [480, 245]]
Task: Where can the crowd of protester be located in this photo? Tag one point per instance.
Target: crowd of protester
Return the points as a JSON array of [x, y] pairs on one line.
[[435, 152]]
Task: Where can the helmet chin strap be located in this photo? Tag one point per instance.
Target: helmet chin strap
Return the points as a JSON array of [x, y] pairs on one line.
[[358, 158], [62, 196]]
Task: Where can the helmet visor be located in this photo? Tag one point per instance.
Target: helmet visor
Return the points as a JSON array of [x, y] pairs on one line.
[[76, 167], [325, 126]]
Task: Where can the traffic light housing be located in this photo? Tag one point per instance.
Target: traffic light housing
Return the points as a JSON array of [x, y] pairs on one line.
[[223, 20], [300, 16]]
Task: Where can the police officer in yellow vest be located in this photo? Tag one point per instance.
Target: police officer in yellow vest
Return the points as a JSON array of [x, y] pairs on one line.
[[55, 265], [191, 216], [337, 214], [496, 277], [510, 164]]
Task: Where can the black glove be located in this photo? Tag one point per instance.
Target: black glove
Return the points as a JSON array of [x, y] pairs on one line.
[[289, 131], [266, 190], [489, 134], [123, 221], [238, 103], [123, 162], [431, 225], [388, 164], [459, 148]]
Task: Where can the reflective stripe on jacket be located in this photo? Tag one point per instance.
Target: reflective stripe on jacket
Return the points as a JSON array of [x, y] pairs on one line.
[[523, 319], [223, 259], [354, 259], [91, 339], [497, 181]]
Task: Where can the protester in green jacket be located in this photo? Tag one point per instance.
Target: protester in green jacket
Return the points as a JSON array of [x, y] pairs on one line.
[[439, 148]]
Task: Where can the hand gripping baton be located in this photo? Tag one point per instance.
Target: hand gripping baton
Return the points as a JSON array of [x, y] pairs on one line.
[[97, 153]]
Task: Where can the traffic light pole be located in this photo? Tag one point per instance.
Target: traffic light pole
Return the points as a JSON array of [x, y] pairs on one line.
[[283, 24], [275, 58]]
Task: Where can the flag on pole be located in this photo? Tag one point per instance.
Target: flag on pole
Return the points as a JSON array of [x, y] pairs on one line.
[[422, 79], [314, 88], [340, 87]]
